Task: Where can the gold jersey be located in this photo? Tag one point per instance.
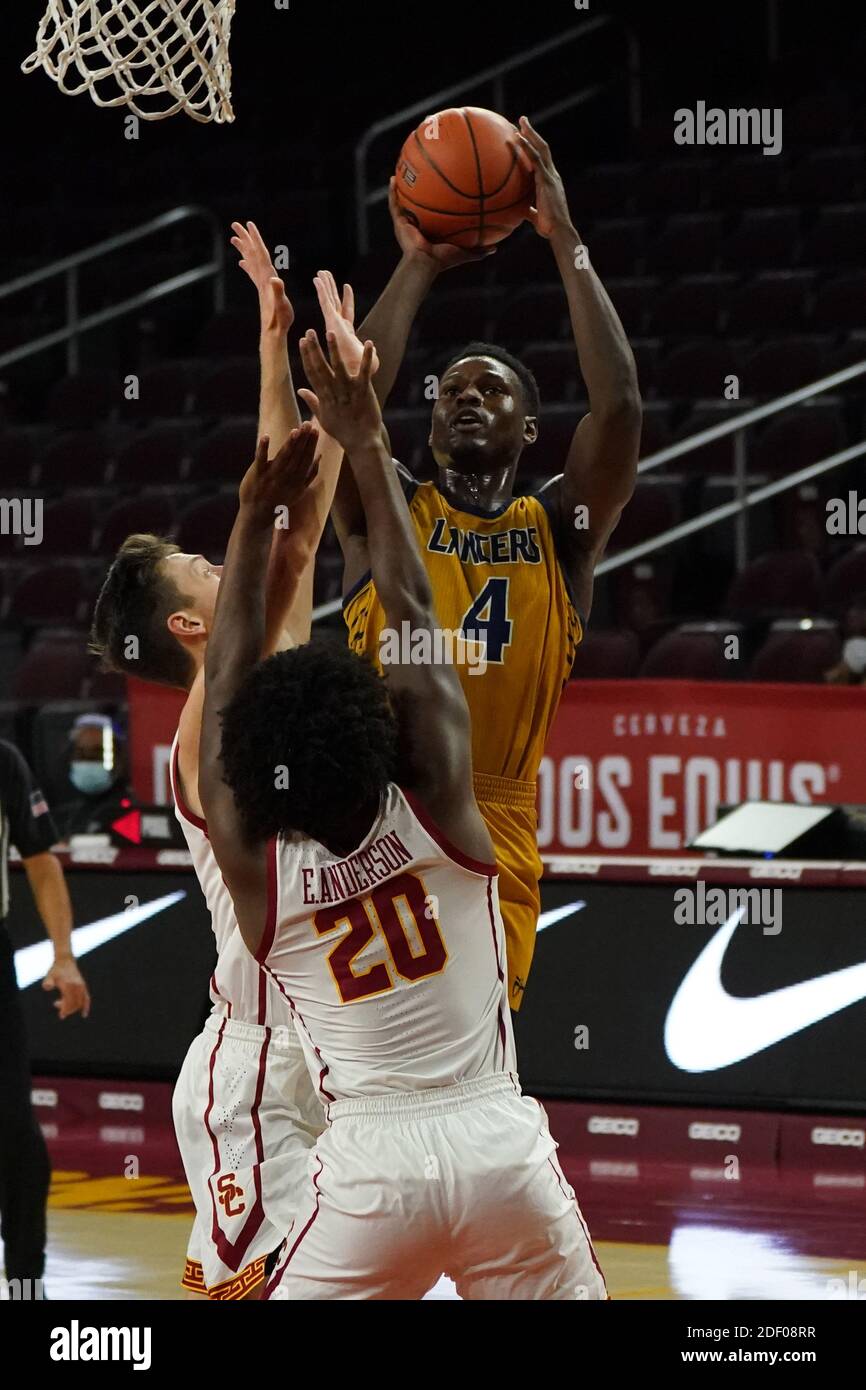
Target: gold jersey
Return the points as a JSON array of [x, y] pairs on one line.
[[498, 583]]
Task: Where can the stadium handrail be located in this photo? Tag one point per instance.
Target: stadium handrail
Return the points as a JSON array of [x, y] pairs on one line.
[[738, 507], [365, 199], [69, 266]]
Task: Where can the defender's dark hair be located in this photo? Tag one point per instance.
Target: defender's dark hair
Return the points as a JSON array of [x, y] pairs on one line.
[[531, 393], [321, 713], [136, 600]]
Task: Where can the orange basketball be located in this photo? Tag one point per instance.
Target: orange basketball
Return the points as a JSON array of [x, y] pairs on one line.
[[458, 179]]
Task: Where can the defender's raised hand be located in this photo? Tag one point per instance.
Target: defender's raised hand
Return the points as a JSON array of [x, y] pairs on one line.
[[282, 480], [551, 205], [277, 312], [339, 316], [344, 403]]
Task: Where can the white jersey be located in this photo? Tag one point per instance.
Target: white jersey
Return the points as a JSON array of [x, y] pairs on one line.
[[393, 958], [239, 988]]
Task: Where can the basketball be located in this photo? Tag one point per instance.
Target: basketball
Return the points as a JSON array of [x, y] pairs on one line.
[[459, 180]]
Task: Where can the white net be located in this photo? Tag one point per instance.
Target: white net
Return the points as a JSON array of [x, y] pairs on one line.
[[157, 57]]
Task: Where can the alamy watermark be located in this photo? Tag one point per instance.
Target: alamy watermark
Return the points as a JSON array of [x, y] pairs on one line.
[[713, 907], [432, 647], [736, 126], [22, 516]]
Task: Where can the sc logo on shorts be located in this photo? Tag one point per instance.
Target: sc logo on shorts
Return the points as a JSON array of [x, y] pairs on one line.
[[228, 1193]]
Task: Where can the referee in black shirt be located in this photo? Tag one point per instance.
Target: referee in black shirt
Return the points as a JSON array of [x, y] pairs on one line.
[[25, 1171]]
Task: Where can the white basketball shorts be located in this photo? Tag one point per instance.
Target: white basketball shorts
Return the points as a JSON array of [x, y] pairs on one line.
[[246, 1119], [462, 1181]]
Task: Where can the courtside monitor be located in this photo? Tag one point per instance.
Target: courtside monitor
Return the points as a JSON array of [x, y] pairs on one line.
[[775, 829]]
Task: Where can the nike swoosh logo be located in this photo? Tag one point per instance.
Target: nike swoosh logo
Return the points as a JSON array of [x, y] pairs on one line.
[[32, 963], [556, 914], [707, 1028]]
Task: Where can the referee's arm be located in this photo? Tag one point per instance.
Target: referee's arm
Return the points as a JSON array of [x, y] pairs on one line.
[[32, 832]]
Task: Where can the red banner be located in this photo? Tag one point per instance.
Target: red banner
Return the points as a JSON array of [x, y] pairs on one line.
[[639, 767], [154, 711]]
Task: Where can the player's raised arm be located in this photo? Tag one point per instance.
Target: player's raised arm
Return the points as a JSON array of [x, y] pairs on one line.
[[270, 488], [293, 552], [601, 467], [434, 714]]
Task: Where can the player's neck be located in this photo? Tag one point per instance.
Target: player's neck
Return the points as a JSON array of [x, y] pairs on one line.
[[343, 840], [478, 492]]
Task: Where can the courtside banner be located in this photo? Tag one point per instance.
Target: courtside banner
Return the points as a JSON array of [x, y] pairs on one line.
[[641, 767]]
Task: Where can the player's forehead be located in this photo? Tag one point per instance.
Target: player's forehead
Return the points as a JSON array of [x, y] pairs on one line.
[[474, 368], [197, 564]]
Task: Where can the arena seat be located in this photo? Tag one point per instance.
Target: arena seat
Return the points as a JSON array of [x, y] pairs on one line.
[[153, 513], [693, 651], [616, 244], [840, 303], [692, 304], [838, 237], [55, 667], [672, 184], [448, 313], [78, 459], [777, 584], [783, 364], [697, 368], [655, 427], [847, 578], [542, 310], [632, 296], [165, 391], [204, 527], [827, 176], [802, 436], [752, 180], [225, 454], [774, 297], [226, 333], [231, 388], [608, 189], [607, 655], [556, 370], [79, 402], [51, 594], [653, 509], [797, 651], [156, 456], [68, 527], [766, 238], [689, 242]]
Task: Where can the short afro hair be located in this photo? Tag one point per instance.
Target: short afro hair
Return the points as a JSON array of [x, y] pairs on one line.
[[322, 713], [531, 393]]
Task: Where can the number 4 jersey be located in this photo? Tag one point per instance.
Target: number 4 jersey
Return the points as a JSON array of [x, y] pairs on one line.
[[496, 578], [392, 958]]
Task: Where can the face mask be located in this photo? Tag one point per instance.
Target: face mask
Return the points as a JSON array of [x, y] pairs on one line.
[[90, 777]]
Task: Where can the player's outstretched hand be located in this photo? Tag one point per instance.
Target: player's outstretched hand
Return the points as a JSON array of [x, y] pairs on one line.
[[281, 481], [551, 205], [277, 312], [344, 403], [413, 242], [339, 316]]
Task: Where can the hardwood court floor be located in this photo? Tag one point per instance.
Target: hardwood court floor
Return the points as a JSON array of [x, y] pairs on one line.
[[111, 1238]]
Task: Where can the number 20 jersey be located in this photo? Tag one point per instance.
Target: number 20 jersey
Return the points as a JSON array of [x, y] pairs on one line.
[[392, 959]]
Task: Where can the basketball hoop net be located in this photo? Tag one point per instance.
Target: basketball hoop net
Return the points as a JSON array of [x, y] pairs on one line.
[[164, 56]]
